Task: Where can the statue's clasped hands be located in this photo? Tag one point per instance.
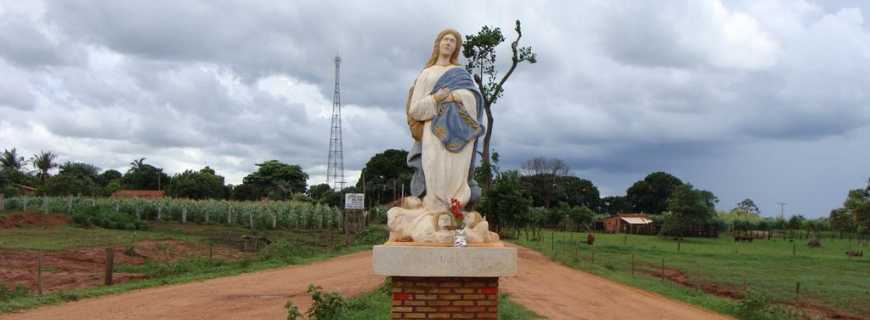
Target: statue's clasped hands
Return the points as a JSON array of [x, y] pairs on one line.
[[445, 95]]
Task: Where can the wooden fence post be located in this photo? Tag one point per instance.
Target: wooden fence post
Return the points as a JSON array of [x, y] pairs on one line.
[[797, 291], [110, 264], [251, 219], [552, 241], [159, 213], [184, 215], [663, 269], [2, 203], [39, 274]]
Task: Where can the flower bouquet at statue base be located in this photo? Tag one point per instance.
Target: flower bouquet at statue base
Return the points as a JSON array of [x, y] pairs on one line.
[[459, 239]]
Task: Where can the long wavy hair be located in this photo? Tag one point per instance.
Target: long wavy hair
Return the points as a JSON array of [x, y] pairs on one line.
[[454, 58]]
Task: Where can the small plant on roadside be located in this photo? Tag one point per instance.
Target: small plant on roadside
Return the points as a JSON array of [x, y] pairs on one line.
[[757, 305], [7, 294], [326, 306], [292, 311]]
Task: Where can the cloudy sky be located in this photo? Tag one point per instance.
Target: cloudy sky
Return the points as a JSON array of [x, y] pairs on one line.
[[760, 99]]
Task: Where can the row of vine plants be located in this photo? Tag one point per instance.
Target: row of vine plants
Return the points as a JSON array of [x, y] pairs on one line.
[[252, 214]]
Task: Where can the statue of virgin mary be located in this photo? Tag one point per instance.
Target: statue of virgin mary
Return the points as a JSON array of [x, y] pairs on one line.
[[444, 115]]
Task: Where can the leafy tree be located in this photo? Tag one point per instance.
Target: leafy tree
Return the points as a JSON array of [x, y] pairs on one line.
[[44, 161], [651, 194], [841, 220], [615, 204], [580, 192], [202, 184], [688, 209], [108, 176], [69, 185], [142, 176], [5, 184], [862, 217], [385, 174], [506, 203], [11, 160], [246, 192], [323, 193], [748, 206], [479, 50], [858, 204], [549, 190], [276, 180], [578, 215], [74, 178], [795, 222]]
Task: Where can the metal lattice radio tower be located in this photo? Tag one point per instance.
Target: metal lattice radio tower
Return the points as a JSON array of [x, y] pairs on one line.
[[335, 165]]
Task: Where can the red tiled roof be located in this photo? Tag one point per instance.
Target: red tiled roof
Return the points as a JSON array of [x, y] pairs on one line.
[[138, 194]]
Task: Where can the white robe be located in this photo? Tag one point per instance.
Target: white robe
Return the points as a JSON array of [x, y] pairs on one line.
[[446, 172]]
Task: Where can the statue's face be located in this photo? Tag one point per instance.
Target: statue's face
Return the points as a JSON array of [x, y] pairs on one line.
[[447, 45]]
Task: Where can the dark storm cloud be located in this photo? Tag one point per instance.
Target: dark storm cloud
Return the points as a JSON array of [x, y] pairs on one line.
[[621, 88]]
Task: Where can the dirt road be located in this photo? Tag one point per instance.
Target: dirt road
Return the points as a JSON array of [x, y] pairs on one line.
[[558, 292], [259, 295], [550, 289]]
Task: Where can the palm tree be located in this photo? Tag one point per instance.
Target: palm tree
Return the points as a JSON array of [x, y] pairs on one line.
[[11, 160], [44, 161], [137, 164]]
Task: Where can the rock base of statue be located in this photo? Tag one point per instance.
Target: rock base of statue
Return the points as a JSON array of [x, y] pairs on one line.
[[411, 222], [441, 281]]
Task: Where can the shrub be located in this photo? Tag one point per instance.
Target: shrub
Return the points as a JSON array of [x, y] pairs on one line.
[[292, 311], [106, 218], [7, 294], [326, 306]]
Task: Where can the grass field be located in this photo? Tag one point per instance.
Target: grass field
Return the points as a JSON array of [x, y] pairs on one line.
[[829, 282]]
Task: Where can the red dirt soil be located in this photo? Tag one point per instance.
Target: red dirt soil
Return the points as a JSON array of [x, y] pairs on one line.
[[85, 267], [20, 219]]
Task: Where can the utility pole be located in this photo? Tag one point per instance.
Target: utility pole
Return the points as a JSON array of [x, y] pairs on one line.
[[781, 210]]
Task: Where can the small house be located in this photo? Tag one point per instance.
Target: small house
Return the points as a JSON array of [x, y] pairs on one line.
[[636, 223]]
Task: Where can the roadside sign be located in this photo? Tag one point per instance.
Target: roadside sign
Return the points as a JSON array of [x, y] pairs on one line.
[[354, 201]]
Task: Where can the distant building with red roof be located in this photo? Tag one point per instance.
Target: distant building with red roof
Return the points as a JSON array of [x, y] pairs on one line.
[[138, 194], [629, 223]]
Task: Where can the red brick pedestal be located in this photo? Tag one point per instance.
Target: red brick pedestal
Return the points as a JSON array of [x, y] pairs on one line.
[[445, 297]]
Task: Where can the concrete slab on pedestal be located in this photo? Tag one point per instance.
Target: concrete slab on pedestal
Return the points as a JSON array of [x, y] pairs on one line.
[[421, 261]]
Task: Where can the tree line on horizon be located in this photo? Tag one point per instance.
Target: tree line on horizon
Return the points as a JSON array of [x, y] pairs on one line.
[[542, 192]]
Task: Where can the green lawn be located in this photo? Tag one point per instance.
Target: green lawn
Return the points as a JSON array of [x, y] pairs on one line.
[[826, 276]]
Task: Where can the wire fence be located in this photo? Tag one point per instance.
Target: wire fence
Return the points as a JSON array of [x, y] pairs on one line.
[[824, 280]]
